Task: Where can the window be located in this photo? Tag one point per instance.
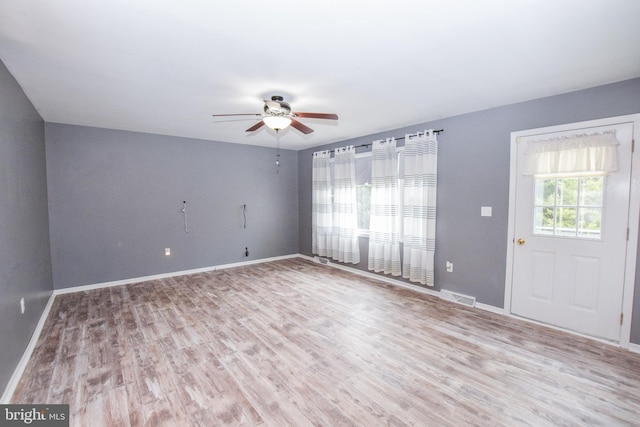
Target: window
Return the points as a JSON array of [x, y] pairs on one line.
[[363, 191], [363, 194], [569, 206], [363, 187]]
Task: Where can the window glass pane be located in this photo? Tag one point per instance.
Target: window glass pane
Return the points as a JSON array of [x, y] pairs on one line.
[[363, 170], [543, 220], [567, 192], [591, 191], [545, 192], [363, 195], [589, 223], [539, 192], [566, 221]]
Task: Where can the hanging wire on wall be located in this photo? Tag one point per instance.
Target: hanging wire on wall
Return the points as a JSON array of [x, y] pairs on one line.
[[244, 216], [184, 212]]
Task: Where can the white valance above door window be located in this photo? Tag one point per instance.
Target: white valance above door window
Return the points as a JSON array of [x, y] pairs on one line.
[[595, 153]]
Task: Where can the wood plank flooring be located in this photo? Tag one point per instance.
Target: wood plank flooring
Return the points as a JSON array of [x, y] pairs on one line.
[[296, 343]]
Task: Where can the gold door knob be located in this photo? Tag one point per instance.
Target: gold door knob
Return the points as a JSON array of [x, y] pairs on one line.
[[521, 242]]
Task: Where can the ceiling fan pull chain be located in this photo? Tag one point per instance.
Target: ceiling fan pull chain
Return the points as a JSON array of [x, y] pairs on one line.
[[278, 152]]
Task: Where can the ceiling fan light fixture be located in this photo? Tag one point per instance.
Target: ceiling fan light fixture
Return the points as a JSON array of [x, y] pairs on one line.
[[277, 122], [278, 116]]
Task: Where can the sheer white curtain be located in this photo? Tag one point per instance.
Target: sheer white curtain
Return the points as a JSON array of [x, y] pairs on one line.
[[321, 204], [345, 218], [419, 213], [572, 154], [384, 226]]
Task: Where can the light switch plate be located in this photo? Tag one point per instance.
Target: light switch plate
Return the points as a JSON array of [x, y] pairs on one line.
[[485, 211]]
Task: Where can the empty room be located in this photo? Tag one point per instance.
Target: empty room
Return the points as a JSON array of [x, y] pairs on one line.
[[358, 213]]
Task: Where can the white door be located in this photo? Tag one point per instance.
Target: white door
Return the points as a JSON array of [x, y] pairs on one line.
[[570, 242]]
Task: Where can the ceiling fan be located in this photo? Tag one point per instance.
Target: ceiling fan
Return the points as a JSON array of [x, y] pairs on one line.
[[278, 116]]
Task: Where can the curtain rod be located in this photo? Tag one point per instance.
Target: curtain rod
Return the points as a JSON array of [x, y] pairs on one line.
[[400, 137]]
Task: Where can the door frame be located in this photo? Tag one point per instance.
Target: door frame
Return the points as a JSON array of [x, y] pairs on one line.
[[633, 219]]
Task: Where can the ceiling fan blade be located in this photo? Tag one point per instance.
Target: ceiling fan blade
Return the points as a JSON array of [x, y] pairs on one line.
[[231, 120], [318, 115], [241, 114], [302, 128], [256, 126]]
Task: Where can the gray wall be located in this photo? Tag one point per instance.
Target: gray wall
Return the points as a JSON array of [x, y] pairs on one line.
[[115, 199], [25, 264], [473, 171]]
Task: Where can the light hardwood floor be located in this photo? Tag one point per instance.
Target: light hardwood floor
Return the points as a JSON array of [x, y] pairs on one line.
[[296, 343]]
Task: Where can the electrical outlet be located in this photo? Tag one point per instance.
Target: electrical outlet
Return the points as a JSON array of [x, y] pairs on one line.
[[449, 267], [167, 251], [22, 305]]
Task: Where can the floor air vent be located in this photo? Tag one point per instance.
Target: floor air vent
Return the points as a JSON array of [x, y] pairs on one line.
[[320, 260], [458, 298]]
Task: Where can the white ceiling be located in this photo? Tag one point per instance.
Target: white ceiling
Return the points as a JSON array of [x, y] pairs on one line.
[[164, 66]]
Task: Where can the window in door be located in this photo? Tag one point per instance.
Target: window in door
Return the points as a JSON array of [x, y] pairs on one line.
[[569, 206]]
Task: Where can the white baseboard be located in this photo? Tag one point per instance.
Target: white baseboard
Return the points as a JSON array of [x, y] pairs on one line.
[[167, 275], [490, 308], [389, 280], [634, 347], [370, 275], [24, 360], [392, 281]]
